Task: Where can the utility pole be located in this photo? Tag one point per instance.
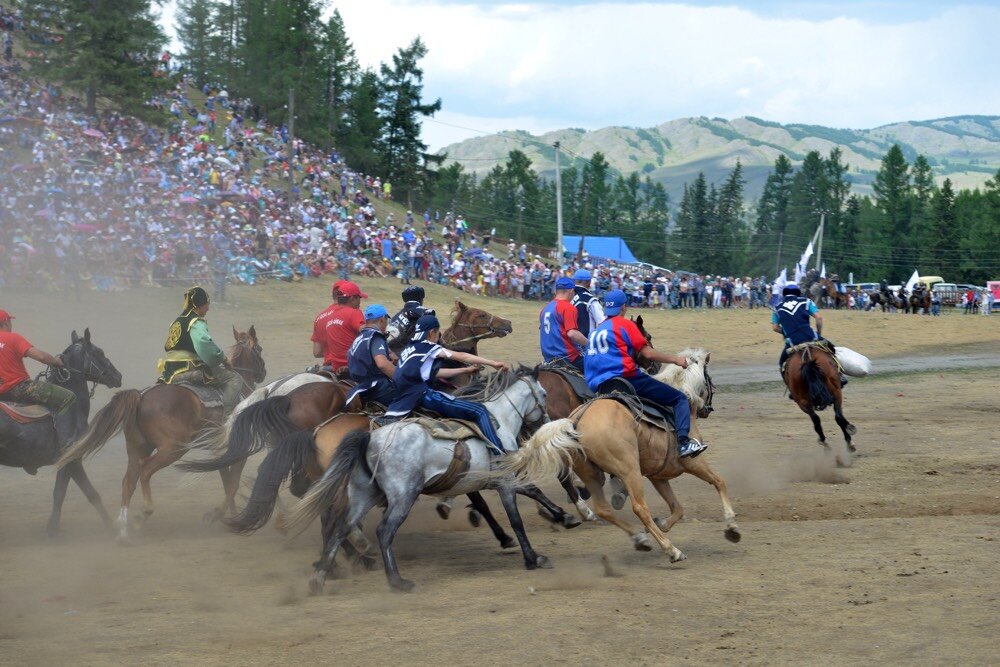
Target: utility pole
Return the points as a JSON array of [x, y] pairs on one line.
[[291, 143], [777, 266], [583, 220], [559, 220]]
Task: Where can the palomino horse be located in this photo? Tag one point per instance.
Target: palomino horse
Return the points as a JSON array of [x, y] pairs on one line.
[[367, 470], [159, 423], [37, 443], [813, 381], [605, 436], [306, 400]]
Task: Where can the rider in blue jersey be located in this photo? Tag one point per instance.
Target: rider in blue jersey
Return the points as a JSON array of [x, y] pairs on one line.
[[368, 359], [791, 320]]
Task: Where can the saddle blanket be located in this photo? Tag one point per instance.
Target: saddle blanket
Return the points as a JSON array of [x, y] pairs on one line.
[[210, 397], [24, 413]]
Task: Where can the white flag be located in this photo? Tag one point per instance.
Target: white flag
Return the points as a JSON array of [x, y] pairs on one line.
[[822, 274], [804, 262], [782, 279], [799, 273], [912, 282]]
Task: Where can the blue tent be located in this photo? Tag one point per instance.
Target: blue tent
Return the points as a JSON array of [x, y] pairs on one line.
[[601, 247]]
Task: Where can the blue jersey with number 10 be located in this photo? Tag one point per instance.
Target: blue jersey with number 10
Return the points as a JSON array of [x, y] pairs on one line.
[[610, 349]]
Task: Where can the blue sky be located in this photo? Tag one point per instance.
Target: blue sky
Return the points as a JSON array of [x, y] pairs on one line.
[[541, 66]]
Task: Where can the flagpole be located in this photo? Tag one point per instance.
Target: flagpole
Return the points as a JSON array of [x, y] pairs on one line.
[[819, 242]]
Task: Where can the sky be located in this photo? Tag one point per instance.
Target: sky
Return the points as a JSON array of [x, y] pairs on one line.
[[541, 66]]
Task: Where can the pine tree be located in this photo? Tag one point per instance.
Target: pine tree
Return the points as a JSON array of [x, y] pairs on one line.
[[772, 215], [340, 69], [363, 125], [198, 35], [109, 49], [887, 242], [809, 198], [944, 241], [401, 107]]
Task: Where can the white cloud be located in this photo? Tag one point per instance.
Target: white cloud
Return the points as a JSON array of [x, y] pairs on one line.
[[608, 63]]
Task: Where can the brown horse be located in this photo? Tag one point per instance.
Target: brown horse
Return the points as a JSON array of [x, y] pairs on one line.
[[605, 436], [159, 424], [920, 302], [813, 381], [306, 400]]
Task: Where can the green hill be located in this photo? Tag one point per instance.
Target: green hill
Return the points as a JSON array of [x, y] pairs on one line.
[[963, 148]]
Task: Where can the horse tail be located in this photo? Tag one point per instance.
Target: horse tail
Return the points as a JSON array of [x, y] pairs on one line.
[[290, 455], [330, 491], [815, 379], [544, 456], [253, 429], [120, 413]]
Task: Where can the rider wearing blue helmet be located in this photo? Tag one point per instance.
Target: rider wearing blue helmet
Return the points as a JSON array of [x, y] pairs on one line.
[[791, 320]]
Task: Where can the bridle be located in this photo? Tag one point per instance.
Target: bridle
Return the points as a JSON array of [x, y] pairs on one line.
[[490, 331], [259, 370], [539, 403], [63, 374]]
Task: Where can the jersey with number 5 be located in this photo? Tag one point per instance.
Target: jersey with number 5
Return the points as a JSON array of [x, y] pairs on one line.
[[610, 349], [555, 321]]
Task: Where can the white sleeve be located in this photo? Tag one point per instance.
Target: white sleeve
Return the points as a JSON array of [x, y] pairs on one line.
[[596, 312]]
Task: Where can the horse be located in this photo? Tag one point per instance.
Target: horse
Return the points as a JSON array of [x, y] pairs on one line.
[[159, 423], [395, 464], [920, 302], [606, 436], [827, 288], [888, 301], [306, 400], [39, 442], [813, 381]]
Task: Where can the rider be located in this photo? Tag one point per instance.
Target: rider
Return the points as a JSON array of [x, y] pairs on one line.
[[368, 359], [420, 364], [15, 385], [610, 356], [193, 357], [335, 329], [791, 320], [559, 333], [413, 308], [589, 312]]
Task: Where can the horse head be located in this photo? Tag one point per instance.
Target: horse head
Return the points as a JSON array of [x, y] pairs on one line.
[[470, 325], [87, 359], [246, 355], [651, 367]]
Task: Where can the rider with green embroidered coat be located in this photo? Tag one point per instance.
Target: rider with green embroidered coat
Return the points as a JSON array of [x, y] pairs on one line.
[[193, 357]]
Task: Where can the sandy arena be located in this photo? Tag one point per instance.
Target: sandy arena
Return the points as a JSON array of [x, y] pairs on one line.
[[892, 561]]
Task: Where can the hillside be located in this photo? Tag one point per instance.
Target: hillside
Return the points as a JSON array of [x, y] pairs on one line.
[[963, 148]]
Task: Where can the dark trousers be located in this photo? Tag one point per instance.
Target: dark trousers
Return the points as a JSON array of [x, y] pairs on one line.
[[664, 394], [446, 406]]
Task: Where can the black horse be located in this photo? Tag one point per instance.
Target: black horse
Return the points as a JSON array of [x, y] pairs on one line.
[[36, 444]]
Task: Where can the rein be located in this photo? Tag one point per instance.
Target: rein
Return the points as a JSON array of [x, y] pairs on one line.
[[490, 331], [63, 373]]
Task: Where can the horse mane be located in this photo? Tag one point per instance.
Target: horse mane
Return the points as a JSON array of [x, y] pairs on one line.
[[690, 380], [491, 386]]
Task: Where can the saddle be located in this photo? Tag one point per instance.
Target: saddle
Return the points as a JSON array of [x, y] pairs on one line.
[[823, 345], [654, 414], [24, 413], [572, 376], [210, 397]]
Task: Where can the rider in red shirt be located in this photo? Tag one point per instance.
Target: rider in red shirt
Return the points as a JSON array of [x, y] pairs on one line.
[[335, 329], [15, 384]]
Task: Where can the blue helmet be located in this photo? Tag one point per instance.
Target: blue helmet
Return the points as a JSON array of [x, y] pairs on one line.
[[424, 324], [791, 290], [613, 302], [581, 274]]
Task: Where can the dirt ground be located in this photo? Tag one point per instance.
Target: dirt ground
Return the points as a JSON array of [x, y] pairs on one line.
[[894, 560]]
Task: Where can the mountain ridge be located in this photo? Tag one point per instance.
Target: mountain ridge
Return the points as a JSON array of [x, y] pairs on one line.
[[965, 148]]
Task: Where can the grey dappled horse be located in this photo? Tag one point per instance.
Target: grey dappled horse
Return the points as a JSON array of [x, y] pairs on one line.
[[395, 463]]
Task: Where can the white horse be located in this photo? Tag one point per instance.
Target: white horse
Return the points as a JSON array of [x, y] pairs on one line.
[[396, 463]]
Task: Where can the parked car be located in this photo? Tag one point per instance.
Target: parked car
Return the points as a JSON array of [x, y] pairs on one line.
[[949, 293]]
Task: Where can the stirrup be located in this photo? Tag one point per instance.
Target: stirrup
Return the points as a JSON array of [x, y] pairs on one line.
[[692, 448]]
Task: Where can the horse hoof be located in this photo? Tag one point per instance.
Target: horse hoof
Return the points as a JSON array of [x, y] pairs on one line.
[[583, 492], [210, 517], [475, 518], [570, 521], [677, 556], [851, 430], [443, 510], [508, 542], [316, 582], [541, 563], [642, 542], [123, 541], [823, 444], [851, 448], [733, 534], [402, 586], [661, 523], [618, 500], [368, 563]]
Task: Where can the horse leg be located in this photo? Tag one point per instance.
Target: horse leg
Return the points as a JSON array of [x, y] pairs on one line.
[[532, 560], [479, 503], [395, 514], [79, 475], [58, 496], [633, 482], [699, 468], [163, 457], [817, 426], [557, 513], [592, 479], [128, 488], [566, 481], [361, 501], [666, 492], [845, 426]]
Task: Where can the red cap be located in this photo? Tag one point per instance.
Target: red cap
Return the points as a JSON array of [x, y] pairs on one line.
[[347, 288], [4, 316], [339, 287]]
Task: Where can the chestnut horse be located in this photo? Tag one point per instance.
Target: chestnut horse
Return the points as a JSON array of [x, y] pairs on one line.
[[605, 436], [813, 381], [306, 400], [159, 423]]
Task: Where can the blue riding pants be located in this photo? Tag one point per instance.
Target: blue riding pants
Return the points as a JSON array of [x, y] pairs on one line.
[[664, 394], [447, 406]]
